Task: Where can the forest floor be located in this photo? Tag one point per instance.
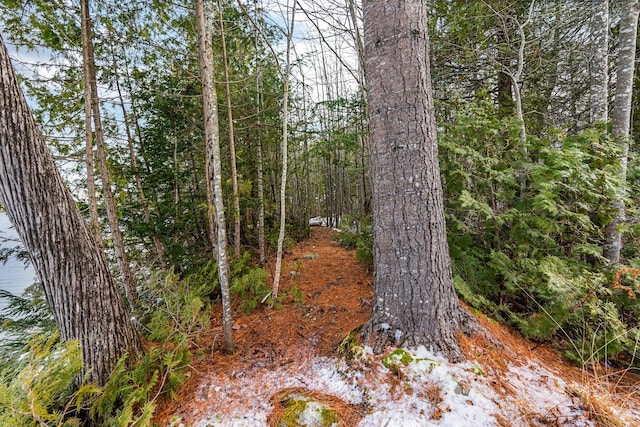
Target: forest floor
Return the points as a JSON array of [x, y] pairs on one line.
[[291, 354]]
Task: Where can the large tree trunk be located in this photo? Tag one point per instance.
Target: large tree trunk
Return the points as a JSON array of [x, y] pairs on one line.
[[212, 149], [599, 62], [110, 204], [78, 286], [622, 121], [415, 301]]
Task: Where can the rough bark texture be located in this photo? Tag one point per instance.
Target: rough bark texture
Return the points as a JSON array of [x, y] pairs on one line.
[[622, 121], [212, 142], [73, 270], [600, 62], [415, 301], [109, 202]]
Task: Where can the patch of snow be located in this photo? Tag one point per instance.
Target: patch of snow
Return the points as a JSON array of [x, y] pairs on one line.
[[422, 394]]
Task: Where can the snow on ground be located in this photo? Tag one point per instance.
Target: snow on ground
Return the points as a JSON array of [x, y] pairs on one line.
[[420, 389]]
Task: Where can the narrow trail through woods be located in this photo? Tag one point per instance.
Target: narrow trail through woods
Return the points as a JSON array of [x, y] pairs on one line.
[[336, 298], [293, 347]]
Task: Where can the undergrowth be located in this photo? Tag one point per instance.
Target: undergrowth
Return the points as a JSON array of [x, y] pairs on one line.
[[41, 383]]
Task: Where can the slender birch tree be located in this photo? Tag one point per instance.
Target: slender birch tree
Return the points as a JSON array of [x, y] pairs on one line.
[[622, 121], [284, 149], [204, 26]]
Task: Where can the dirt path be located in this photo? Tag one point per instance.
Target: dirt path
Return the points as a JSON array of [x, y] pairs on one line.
[[337, 293]]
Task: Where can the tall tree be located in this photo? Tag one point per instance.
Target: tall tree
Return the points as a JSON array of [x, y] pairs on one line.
[[285, 133], [90, 79], [415, 301], [600, 62], [232, 140], [204, 26], [622, 121], [74, 273]]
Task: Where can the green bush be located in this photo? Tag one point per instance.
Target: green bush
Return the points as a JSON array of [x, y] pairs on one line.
[[248, 283], [358, 234], [41, 388], [525, 229]]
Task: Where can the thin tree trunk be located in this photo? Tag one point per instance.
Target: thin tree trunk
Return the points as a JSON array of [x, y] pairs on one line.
[[73, 270], [622, 122], [599, 62], [259, 167], [112, 215], [232, 143], [204, 11], [94, 221], [283, 181], [157, 243]]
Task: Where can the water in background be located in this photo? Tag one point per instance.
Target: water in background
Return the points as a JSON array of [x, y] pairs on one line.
[[13, 275]]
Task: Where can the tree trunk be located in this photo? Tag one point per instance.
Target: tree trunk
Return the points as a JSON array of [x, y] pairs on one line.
[[622, 122], [94, 219], [78, 286], [283, 180], [212, 152], [157, 243], [599, 62], [112, 215], [232, 141], [415, 301]]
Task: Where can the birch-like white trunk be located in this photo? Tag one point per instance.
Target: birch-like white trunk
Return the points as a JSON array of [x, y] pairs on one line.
[[204, 26], [621, 121], [283, 182]]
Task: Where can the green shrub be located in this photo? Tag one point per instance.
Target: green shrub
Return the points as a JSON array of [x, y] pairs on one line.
[[41, 388], [525, 229], [358, 234], [248, 284]]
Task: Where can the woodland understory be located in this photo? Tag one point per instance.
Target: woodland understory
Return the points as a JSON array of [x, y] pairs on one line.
[[540, 178]]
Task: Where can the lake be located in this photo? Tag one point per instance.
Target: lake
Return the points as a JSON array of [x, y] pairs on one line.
[[14, 277]]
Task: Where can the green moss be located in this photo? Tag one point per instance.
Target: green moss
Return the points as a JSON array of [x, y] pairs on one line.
[[296, 405], [398, 356]]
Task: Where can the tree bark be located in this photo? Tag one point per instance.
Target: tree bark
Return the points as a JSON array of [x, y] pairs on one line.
[[232, 141], [94, 220], [285, 145], [157, 243], [415, 301], [73, 270], [622, 122], [112, 214], [599, 62], [212, 152]]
